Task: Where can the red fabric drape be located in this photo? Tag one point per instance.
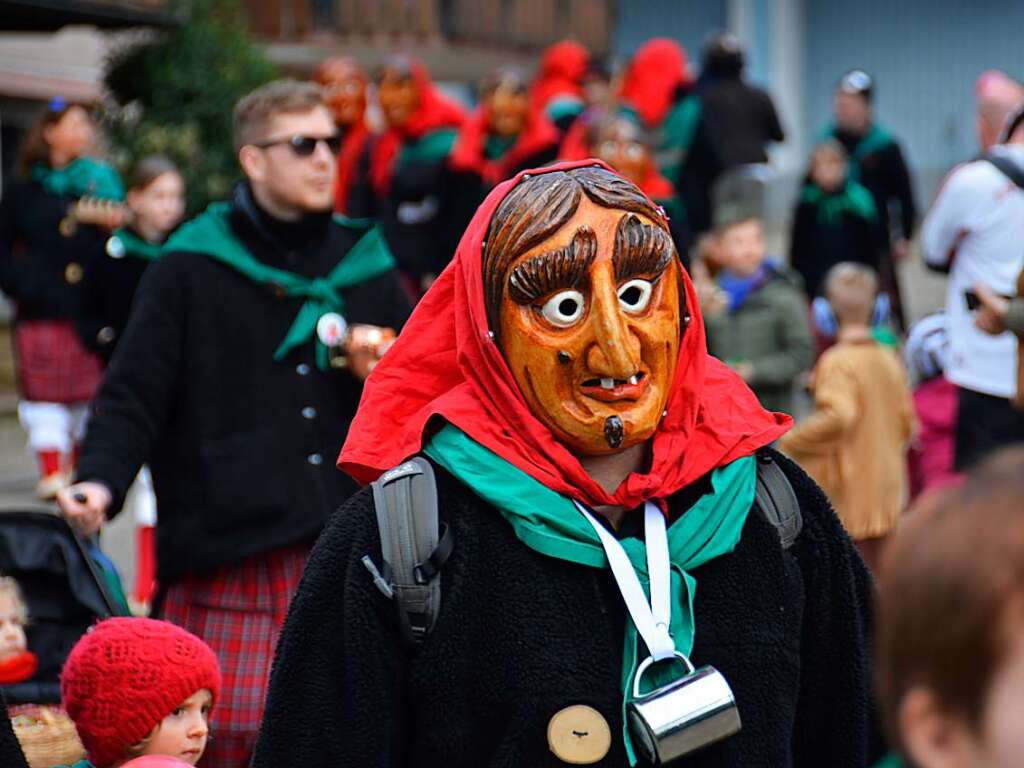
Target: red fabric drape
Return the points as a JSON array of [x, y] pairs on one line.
[[656, 70], [561, 73], [445, 363], [538, 134], [351, 151]]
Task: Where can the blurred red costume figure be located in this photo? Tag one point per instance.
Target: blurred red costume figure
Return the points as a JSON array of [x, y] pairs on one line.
[[344, 85], [655, 73], [558, 87]]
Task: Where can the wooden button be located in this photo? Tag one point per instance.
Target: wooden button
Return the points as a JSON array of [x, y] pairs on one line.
[[73, 273], [579, 735]]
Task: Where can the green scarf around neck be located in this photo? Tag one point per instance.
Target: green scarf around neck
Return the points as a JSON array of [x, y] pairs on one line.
[[676, 136], [130, 244], [551, 524], [210, 234], [430, 147], [876, 139], [84, 177], [852, 198]]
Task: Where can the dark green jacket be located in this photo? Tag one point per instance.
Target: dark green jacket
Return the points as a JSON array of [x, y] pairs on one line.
[[771, 331]]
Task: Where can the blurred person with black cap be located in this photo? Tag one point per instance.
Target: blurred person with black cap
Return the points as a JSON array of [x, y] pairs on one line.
[[876, 161], [974, 231]]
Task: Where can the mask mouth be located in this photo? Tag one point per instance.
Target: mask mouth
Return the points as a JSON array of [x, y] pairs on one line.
[[611, 389]]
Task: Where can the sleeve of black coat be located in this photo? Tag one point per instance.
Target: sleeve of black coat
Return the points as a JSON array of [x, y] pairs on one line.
[[836, 722], [8, 235], [337, 691], [697, 175], [772, 126], [10, 750], [801, 244], [135, 398], [903, 190]]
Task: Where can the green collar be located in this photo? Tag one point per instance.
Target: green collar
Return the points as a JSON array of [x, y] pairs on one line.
[[429, 147], [84, 177], [852, 198], [676, 136], [495, 147], [551, 525], [892, 760], [210, 234], [876, 139], [124, 242]]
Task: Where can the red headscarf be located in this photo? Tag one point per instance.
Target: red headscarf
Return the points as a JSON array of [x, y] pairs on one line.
[[561, 73], [656, 70], [538, 134], [435, 111], [446, 363]]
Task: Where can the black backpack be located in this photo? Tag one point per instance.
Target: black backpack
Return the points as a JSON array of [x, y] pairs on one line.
[[415, 544]]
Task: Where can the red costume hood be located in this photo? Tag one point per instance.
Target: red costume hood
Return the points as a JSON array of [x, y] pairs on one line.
[[435, 111], [656, 70], [349, 155], [445, 363], [561, 73], [538, 134]]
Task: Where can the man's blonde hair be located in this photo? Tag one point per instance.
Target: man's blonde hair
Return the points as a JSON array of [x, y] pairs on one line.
[[255, 110], [851, 289]]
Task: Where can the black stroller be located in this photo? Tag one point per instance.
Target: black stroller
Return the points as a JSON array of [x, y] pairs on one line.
[[68, 585]]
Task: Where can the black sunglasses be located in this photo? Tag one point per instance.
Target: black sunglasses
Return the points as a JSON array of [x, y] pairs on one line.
[[304, 146]]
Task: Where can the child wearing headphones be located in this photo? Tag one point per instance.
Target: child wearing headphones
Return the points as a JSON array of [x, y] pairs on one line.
[[854, 444]]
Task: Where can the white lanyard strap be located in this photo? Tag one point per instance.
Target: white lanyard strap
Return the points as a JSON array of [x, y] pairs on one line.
[[652, 619]]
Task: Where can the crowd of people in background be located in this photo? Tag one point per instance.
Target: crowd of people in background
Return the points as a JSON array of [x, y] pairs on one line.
[[203, 375]]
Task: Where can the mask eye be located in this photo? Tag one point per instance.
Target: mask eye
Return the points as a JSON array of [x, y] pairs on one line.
[[563, 309], [635, 295]]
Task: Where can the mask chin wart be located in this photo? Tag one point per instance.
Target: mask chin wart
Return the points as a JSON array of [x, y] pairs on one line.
[[614, 431]]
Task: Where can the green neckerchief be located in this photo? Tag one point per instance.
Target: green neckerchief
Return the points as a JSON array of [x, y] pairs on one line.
[[84, 177], [431, 146], [550, 524], [852, 198], [884, 335], [133, 245], [891, 760], [877, 138], [495, 147], [561, 107], [676, 136], [210, 234]]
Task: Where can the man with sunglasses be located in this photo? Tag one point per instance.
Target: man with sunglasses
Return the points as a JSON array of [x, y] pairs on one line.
[[236, 379]]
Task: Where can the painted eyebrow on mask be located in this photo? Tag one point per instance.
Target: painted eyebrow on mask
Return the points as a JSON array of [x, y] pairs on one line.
[[559, 269], [641, 250]]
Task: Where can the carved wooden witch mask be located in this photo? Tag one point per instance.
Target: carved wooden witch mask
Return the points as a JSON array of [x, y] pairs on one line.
[[582, 288]]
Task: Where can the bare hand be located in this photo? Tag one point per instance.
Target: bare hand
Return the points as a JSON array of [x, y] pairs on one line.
[[85, 506], [991, 315], [366, 345], [101, 213]]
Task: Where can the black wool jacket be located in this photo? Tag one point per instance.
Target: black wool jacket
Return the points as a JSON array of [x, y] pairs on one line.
[[885, 175], [10, 750], [42, 268], [521, 636], [242, 447]]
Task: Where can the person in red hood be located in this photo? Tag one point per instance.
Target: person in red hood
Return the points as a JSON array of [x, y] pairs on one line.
[[558, 86], [411, 198], [658, 87], [505, 135], [557, 380], [344, 84]]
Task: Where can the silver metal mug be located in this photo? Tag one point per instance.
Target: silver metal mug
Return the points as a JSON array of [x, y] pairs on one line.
[[683, 716]]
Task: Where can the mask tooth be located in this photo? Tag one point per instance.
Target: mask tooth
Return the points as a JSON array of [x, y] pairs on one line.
[[607, 383], [633, 379]]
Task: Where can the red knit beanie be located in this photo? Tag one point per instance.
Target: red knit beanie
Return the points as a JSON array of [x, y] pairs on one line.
[[125, 675]]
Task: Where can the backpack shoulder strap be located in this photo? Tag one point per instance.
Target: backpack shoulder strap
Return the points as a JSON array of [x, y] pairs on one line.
[[775, 497], [414, 544], [1007, 167]]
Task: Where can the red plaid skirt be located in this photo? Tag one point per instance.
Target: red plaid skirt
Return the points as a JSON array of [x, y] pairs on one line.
[[239, 611], [53, 364]]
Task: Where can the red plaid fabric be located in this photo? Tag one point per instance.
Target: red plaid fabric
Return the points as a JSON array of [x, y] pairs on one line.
[[53, 365], [239, 610]]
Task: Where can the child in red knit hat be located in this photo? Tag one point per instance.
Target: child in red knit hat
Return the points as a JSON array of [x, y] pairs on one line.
[[136, 686]]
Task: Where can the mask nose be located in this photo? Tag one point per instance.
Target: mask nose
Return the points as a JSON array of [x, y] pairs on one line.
[[615, 352]]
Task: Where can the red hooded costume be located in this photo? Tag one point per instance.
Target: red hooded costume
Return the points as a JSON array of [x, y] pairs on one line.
[[655, 71], [561, 73], [539, 134], [446, 363], [435, 111]]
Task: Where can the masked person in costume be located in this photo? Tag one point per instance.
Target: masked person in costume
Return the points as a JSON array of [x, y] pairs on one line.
[[54, 220], [344, 84], [876, 162], [561, 368], [412, 198], [228, 380], [659, 89], [504, 136], [557, 90]]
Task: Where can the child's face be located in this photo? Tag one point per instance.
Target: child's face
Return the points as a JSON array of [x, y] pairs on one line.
[[183, 733], [12, 630], [828, 169], [741, 247]]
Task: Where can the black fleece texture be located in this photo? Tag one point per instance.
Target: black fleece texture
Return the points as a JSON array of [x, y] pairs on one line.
[[10, 750], [242, 447], [520, 636]]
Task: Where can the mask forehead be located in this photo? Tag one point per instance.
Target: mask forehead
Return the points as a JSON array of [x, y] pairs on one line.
[[590, 328]]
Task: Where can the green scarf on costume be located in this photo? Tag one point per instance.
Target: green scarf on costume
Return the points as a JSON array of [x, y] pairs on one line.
[[210, 234], [562, 107], [133, 245], [84, 177], [552, 525], [891, 760], [495, 147], [876, 139], [676, 136], [852, 198], [431, 146]]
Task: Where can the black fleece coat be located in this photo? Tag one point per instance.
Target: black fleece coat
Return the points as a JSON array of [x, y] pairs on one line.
[[520, 636], [10, 750], [741, 118], [35, 256], [885, 175], [241, 447]]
